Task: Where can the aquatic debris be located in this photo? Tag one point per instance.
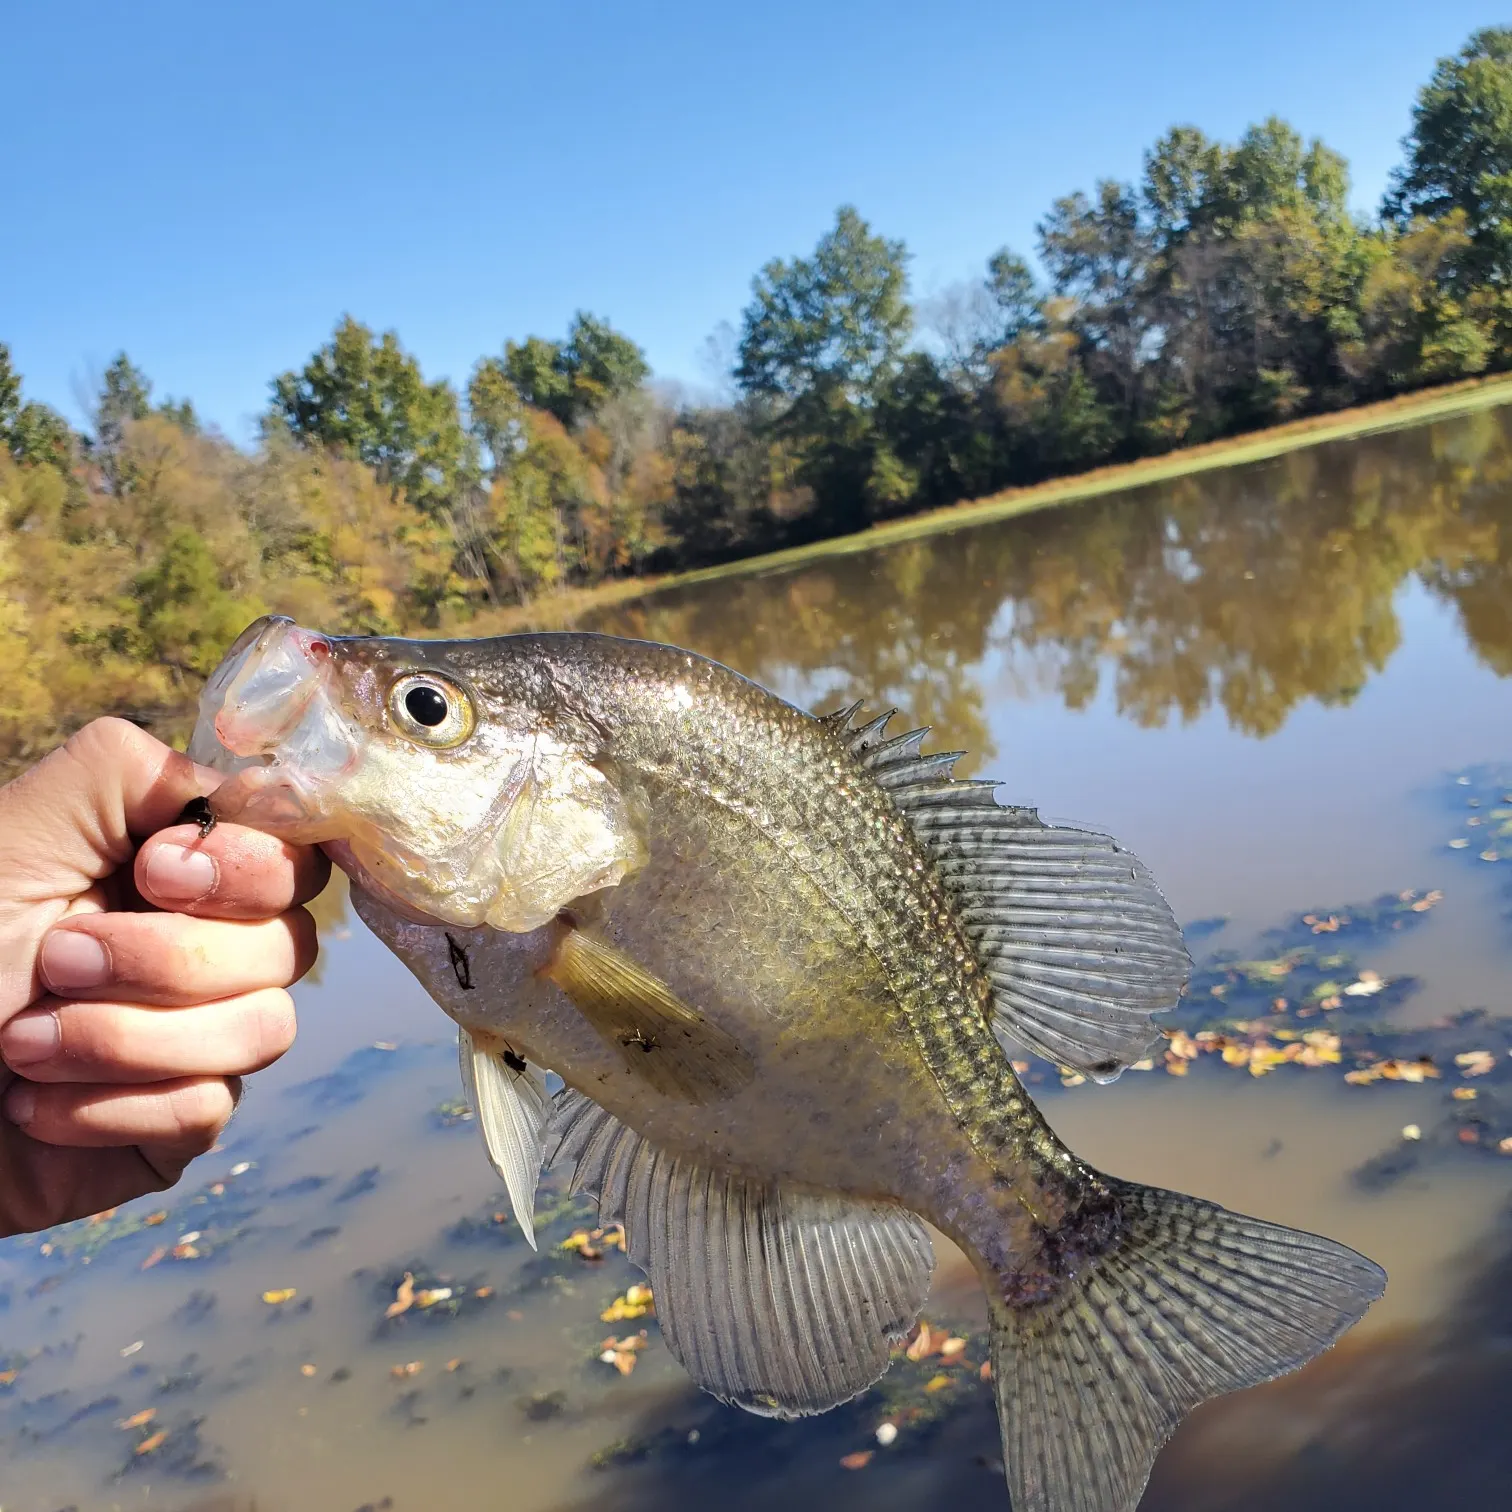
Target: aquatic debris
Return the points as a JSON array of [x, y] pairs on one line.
[[279, 1296], [887, 1434], [637, 1302], [404, 1299], [138, 1419], [1411, 1131], [149, 1445], [590, 1244], [131, 1349], [307, 1370], [403, 1372], [622, 1353], [857, 1461], [1476, 1062], [1419, 1070]]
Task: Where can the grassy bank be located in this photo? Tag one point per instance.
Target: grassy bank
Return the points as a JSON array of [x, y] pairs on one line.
[[1257, 446]]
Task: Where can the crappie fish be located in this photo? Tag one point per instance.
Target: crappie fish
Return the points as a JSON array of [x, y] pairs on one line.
[[771, 956]]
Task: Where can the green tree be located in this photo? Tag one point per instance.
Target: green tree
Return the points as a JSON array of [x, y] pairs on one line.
[[124, 398], [1099, 252], [365, 396], [574, 379], [834, 324], [29, 431], [820, 340], [1459, 151]]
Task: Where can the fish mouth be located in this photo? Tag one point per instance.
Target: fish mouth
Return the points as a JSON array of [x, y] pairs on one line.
[[267, 720]]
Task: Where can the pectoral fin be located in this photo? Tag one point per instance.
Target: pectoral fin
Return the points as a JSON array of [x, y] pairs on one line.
[[660, 1038], [508, 1095]]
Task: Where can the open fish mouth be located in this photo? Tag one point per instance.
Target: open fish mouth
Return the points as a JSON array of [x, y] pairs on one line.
[[268, 721]]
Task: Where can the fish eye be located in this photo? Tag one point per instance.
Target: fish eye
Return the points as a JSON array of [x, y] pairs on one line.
[[428, 708]]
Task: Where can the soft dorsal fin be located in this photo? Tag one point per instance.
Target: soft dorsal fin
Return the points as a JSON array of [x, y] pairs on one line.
[[1079, 943], [659, 1037], [781, 1300]]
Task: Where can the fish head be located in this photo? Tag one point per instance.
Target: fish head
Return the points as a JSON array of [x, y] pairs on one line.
[[442, 776]]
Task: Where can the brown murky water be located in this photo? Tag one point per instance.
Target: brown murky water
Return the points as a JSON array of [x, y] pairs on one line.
[[1267, 682]]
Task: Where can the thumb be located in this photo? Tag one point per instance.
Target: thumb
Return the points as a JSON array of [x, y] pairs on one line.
[[76, 816]]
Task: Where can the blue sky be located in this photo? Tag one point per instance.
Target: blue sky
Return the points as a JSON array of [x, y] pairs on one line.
[[210, 186]]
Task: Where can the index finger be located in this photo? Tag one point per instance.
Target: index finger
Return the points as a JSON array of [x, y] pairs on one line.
[[231, 873]]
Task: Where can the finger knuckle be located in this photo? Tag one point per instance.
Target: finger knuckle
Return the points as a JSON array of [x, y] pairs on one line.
[[273, 1028], [199, 1112]]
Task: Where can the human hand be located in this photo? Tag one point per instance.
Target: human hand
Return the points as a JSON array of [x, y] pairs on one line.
[[125, 1030]]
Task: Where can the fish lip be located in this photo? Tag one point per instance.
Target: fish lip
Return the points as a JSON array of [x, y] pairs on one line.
[[304, 654]]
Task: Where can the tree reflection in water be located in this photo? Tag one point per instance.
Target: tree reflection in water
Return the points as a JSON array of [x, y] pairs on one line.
[[1250, 590]]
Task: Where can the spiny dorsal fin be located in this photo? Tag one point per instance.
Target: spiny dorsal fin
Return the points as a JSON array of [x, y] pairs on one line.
[[779, 1300], [661, 1039], [1079, 943], [508, 1098]]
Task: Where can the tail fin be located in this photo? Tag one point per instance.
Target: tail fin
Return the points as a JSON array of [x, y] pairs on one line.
[[1192, 1302]]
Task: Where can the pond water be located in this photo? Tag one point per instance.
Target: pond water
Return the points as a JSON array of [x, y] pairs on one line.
[[1286, 687]]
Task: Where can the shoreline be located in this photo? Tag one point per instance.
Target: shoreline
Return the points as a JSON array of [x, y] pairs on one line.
[[1423, 405]]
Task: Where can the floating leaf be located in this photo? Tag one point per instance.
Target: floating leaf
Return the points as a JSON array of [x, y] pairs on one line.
[[1411, 1131], [431, 1297], [149, 1444], [404, 1298], [937, 1383], [1475, 1062], [281, 1295], [887, 1433], [307, 1370], [403, 1372], [1464, 1094], [138, 1419], [859, 1460]]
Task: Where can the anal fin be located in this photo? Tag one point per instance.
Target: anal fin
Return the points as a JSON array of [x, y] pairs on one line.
[[784, 1301], [660, 1038], [508, 1097]]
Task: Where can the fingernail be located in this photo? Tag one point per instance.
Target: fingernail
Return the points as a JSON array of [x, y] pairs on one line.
[[21, 1104], [72, 960], [29, 1038], [177, 873]]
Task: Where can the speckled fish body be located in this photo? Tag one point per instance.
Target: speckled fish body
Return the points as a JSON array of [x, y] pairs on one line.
[[774, 958]]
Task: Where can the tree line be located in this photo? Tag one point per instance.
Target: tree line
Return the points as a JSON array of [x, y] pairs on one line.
[[1229, 288]]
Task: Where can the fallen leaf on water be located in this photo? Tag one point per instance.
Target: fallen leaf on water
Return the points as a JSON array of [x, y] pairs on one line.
[[158, 1255], [131, 1349], [8, 1377], [621, 1353], [1073, 1079], [859, 1460], [1475, 1062], [635, 1303], [307, 1370], [184, 1250], [1490, 855], [487, 1291], [952, 1347], [1469, 1136], [103, 1217], [1411, 1131], [402, 1372], [1465, 1094], [138, 1419], [1174, 1066], [1426, 902], [937, 1383], [924, 1343], [149, 1444], [218, 1189], [887, 1433], [404, 1298], [153, 1219], [242, 1168], [455, 1364], [1459, 844], [985, 1373], [433, 1295], [283, 1294], [1505, 1147]]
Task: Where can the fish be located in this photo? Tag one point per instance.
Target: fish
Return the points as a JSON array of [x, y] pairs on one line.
[[778, 961]]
